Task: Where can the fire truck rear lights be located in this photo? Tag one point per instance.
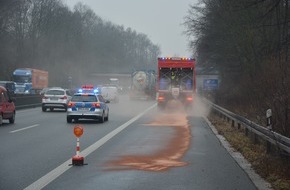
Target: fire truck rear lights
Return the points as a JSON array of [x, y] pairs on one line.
[[186, 58], [176, 58]]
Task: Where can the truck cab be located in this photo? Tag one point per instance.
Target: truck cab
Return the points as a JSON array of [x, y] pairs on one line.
[[7, 107], [30, 80]]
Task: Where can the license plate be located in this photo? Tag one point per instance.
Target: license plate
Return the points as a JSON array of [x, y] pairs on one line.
[[84, 109]]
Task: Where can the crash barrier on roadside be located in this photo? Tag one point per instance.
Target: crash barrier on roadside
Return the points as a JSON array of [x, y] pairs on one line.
[[272, 138], [27, 100]]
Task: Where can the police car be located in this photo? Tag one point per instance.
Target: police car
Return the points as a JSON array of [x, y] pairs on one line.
[[87, 106]]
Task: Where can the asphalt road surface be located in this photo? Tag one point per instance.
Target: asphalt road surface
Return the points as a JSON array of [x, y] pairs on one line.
[[140, 147]]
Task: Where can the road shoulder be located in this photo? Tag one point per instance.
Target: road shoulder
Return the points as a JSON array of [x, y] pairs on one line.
[[259, 182]]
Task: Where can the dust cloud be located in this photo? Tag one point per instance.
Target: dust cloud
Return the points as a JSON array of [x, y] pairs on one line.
[[197, 109]]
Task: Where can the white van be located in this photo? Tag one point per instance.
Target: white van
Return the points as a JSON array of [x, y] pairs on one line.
[[110, 93]]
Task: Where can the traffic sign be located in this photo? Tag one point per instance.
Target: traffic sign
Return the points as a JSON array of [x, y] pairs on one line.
[[210, 84]]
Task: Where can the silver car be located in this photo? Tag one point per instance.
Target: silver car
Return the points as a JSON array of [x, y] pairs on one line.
[[56, 98], [87, 106]]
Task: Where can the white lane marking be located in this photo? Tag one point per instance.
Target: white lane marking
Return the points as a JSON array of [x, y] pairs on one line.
[[55, 173], [25, 128]]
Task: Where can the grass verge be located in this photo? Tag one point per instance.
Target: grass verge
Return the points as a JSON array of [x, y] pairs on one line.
[[272, 167]]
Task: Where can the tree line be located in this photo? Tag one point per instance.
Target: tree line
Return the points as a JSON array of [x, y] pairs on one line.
[[46, 34], [248, 41]]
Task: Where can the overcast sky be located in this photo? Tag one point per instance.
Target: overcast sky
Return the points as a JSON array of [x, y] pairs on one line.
[[160, 20]]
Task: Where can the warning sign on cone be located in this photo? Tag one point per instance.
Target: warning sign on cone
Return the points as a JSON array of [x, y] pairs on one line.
[[78, 160]]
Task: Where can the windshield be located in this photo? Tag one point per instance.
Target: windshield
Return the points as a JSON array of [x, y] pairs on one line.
[[54, 92], [84, 98], [21, 79]]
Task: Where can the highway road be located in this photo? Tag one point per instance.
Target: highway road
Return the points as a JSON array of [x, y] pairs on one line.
[[140, 147]]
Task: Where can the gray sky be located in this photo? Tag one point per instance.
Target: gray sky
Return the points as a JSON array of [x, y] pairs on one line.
[[160, 20]]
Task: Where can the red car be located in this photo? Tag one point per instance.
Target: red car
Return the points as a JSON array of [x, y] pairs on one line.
[[7, 107]]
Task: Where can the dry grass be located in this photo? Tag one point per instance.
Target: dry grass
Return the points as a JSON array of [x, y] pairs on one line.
[[272, 167]]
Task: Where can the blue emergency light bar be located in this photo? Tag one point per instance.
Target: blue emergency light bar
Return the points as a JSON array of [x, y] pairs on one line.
[[88, 89], [96, 91]]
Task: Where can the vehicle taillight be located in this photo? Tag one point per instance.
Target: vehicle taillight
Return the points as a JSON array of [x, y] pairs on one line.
[[96, 105], [64, 98], [161, 98], [71, 104], [189, 98]]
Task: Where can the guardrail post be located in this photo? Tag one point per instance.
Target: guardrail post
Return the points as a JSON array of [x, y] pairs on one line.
[[246, 131], [239, 126], [233, 123]]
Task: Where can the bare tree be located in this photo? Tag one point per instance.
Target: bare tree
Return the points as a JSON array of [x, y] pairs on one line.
[[248, 42], [46, 34]]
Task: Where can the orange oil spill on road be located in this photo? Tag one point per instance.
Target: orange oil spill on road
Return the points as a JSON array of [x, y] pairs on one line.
[[170, 155]]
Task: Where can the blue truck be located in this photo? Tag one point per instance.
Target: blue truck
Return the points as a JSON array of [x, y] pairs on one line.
[[28, 80]]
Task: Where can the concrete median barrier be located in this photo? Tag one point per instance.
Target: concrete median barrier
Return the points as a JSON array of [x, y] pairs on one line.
[[23, 101]]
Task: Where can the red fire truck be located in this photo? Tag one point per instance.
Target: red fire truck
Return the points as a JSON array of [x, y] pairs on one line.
[[176, 80]]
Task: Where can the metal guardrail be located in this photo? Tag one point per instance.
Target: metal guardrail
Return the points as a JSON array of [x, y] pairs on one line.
[[275, 139]]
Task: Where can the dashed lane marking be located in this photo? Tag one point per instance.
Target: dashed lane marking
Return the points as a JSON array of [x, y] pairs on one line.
[[55, 173], [25, 128]]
